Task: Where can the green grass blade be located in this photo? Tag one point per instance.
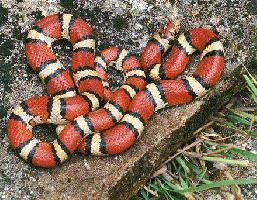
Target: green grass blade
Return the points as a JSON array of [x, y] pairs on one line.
[[164, 189], [144, 195], [174, 165], [244, 163], [246, 154], [253, 79], [253, 134], [254, 97], [211, 143], [227, 155], [196, 170], [184, 183], [251, 85], [217, 145], [244, 114], [155, 186], [170, 185], [183, 164], [230, 124], [200, 174], [238, 119], [217, 184]]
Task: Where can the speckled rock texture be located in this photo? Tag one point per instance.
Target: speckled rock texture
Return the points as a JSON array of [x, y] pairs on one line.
[[128, 24]]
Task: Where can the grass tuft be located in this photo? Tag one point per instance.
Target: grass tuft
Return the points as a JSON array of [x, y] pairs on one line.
[[193, 169]]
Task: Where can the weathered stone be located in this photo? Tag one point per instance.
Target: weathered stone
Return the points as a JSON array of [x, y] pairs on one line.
[[128, 24]]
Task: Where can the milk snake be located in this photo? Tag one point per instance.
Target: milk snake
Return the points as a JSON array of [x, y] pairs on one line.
[[75, 102]]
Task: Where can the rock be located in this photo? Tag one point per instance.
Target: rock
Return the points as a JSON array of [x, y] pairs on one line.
[[116, 23]]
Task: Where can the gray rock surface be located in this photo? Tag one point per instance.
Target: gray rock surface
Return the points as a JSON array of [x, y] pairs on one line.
[[128, 24]]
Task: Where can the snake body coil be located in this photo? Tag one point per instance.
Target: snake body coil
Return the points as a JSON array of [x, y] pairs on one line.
[[83, 124]]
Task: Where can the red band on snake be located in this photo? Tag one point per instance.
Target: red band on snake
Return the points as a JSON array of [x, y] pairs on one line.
[[114, 127]]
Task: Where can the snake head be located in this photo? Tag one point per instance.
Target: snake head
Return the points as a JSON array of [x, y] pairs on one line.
[[168, 32]]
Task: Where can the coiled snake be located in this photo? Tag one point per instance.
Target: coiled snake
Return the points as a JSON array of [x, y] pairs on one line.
[[75, 102]]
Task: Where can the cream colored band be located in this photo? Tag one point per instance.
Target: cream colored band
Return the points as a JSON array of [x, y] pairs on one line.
[[50, 69], [183, 42], [82, 124], [164, 42], [81, 74], [62, 155], [155, 72], [212, 47], [55, 115], [96, 144], [65, 25], [94, 100], [198, 89], [115, 112], [18, 110], [88, 43], [33, 34], [120, 59], [152, 88], [129, 89], [136, 72], [138, 125], [27, 149], [99, 60]]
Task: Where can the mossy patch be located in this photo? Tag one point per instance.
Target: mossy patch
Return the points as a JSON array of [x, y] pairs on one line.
[[3, 112], [45, 132], [67, 3], [251, 7], [37, 15], [115, 78], [4, 73], [120, 23], [3, 15], [6, 45], [17, 34]]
